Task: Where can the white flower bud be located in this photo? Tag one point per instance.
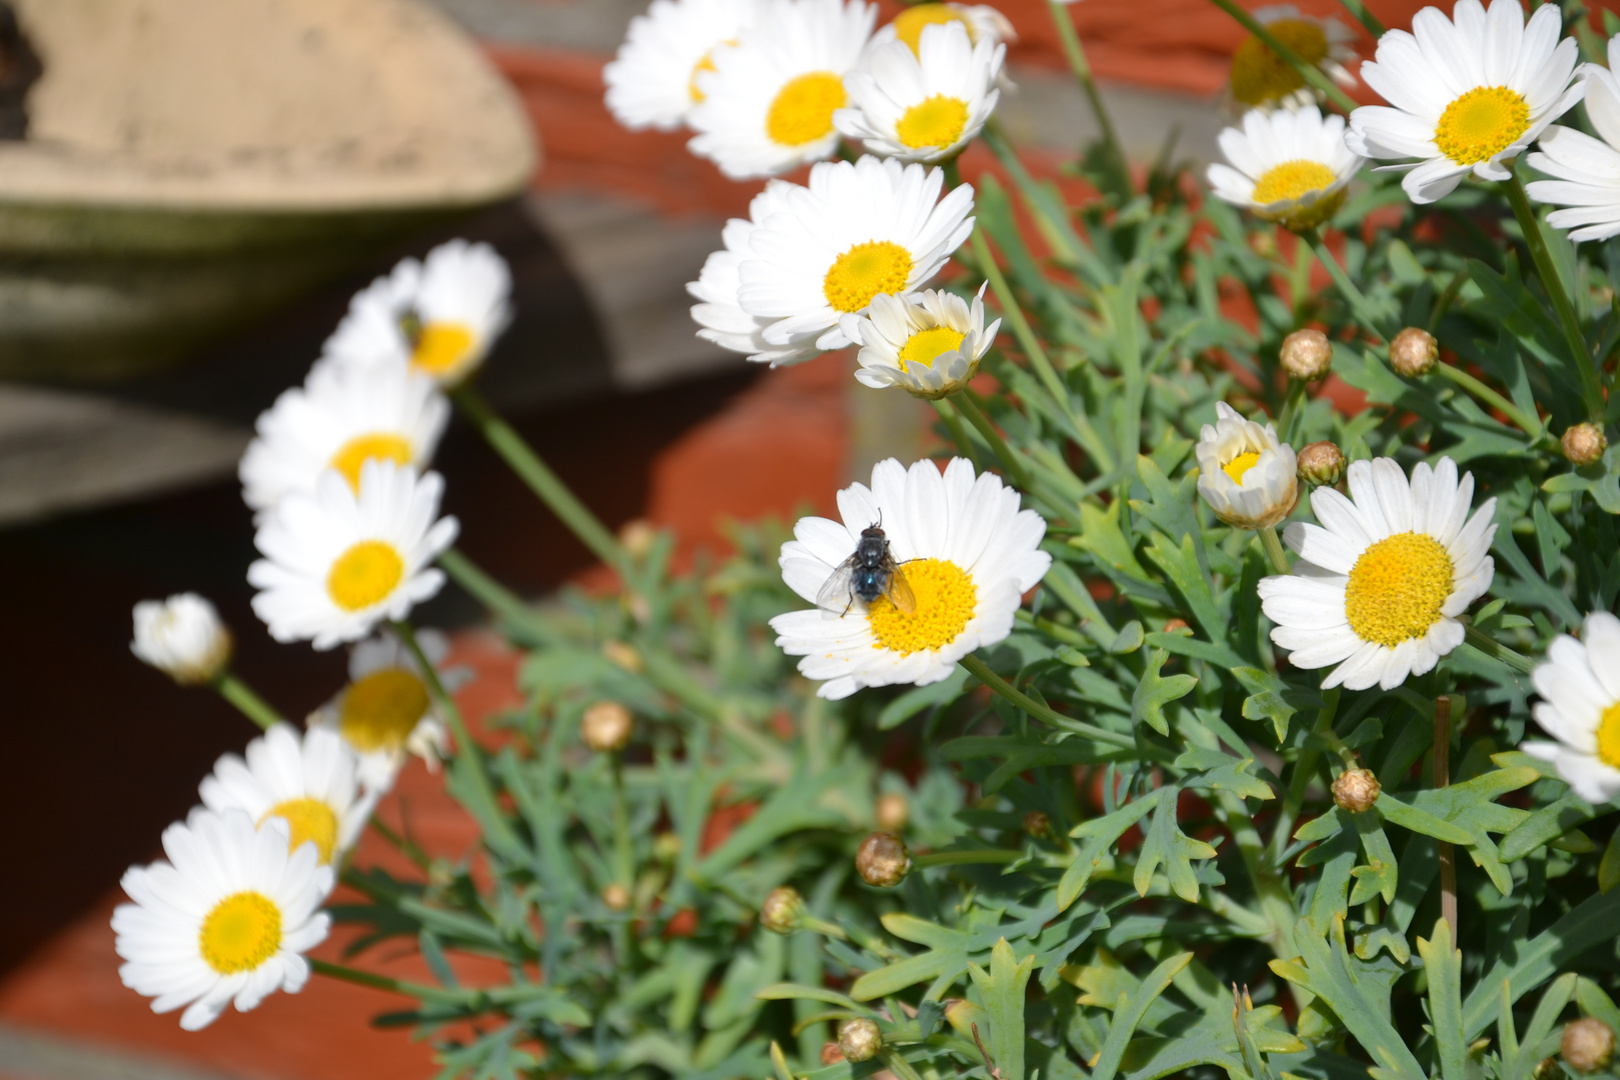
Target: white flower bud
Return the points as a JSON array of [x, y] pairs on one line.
[[1245, 474], [182, 637]]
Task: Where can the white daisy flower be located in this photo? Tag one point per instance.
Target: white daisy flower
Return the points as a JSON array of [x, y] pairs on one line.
[[1384, 576], [1580, 681], [1245, 474], [307, 781], [1464, 96], [653, 80], [228, 916], [982, 22], [928, 344], [1263, 80], [858, 230], [924, 105], [967, 553], [441, 316], [182, 637], [722, 319], [387, 712], [339, 419], [769, 102], [1587, 170], [1289, 167], [337, 562]]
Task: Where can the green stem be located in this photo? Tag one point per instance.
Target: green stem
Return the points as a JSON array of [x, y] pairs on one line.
[[383, 982], [1366, 18], [1352, 294], [1274, 549], [1304, 768], [1580, 353], [1529, 425], [823, 927], [1497, 651], [964, 400], [898, 1065], [624, 862], [251, 705], [486, 590], [1309, 72], [541, 480], [965, 858], [953, 424], [1290, 409], [1076, 53], [1004, 689], [405, 846]]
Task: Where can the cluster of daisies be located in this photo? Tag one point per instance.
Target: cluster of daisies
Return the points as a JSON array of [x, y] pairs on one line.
[[1467, 96], [348, 526]]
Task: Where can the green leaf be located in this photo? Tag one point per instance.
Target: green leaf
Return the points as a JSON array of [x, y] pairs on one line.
[[1442, 962], [1154, 692], [1097, 836], [1129, 1012], [1595, 920], [914, 701], [1166, 843], [794, 991], [1242, 1009], [1002, 989], [1180, 564], [1545, 825], [1272, 699], [1396, 812], [1609, 865], [1217, 771]]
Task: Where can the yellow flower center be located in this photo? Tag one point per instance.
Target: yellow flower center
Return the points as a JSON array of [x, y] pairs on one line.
[[1292, 180], [380, 710], [803, 109], [705, 64], [1260, 76], [934, 121], [240, 933], [1239, 466], [312, 821], [1481, 124], [926, 346], [365, 575], [877, 266], [1397, 588], [1609, 736], [908, 25], [380, 446], [442, 347], [945, 602]]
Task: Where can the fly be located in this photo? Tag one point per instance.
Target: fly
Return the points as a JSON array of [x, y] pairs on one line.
[[869, 573]]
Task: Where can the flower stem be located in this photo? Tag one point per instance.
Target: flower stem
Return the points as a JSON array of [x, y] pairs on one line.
[[1366, 18], [1497, 651], [968, 857], [1309, 72], [1076, 53], [953, 424], [1352, 294], [251, 705], [964, 400], [538, 475], [1000, 687], [624, 862], [1529, 425], [406, 847], [1441, 777], [484, 588], [1274, 549], [1580, 354], [1290, 409]]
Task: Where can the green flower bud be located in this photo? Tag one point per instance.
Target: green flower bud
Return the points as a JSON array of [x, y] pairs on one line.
[[1321, 464], [783, 910], [1584, 444], [1356, 790], [1037, 824], [1413, 352], [883, 860], [859, 1039], [1587, 1044]]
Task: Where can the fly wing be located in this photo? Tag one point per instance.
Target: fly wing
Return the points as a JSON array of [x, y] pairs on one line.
[[837, 595], [899, 592]]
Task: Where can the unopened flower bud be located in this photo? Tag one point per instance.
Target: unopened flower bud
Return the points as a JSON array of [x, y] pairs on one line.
[[1546, 1069], [624, 655], [830, 1054], [666, 847], [606, 727], [1584, 444], [1176, 626], [182, 637], [1587, 1044], [1037, 824], [637, 538], [1413, 352], [893, 813], [1356, 790], [783, 910], [1321, 464], [616, 896], [883, 861], [859, 1039], [1307, 355]]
